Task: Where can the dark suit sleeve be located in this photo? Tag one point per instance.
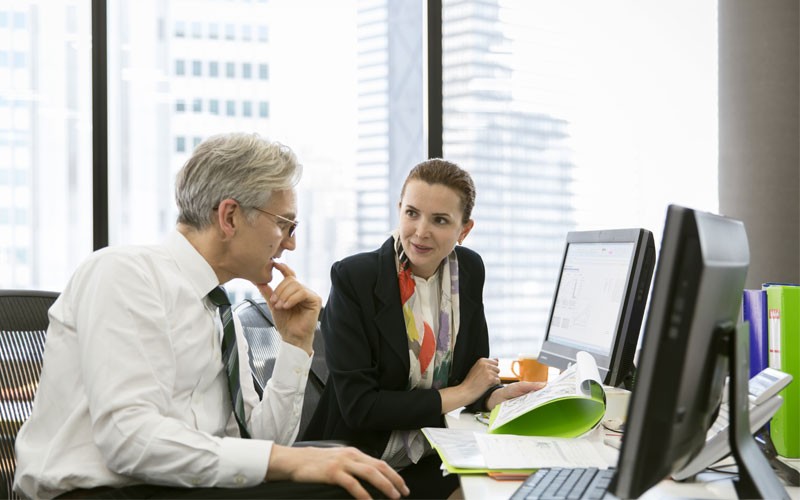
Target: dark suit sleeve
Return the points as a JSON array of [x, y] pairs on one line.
[[370, 379], [479, 332]]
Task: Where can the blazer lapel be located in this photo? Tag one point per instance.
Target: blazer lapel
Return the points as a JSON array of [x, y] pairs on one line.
[[468, 307], [389, 316]]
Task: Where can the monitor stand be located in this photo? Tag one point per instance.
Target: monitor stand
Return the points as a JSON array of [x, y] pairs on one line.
[[756, 479]]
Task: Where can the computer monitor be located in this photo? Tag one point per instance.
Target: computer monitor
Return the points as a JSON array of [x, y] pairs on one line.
[[689, 337], [599, 300]]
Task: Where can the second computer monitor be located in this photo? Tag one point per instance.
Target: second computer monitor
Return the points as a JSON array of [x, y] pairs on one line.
[[600, 299]]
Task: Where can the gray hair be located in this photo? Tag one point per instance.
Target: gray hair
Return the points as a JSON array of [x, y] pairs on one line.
[[245, 167]]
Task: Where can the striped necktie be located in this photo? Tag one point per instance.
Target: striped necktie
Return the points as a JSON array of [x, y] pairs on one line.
[[230, 355]]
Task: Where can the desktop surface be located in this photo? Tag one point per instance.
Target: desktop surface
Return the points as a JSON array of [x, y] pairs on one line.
[[712, 485]]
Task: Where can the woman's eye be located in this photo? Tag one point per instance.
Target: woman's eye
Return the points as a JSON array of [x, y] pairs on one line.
[[442, 221]]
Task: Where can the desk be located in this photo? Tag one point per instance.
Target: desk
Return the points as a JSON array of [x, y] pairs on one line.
[[710, 484]]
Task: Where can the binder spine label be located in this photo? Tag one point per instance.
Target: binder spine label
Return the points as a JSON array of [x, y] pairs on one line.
[[775, 338]]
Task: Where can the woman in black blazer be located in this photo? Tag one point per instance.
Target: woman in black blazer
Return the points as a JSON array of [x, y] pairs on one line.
[[405, 333]]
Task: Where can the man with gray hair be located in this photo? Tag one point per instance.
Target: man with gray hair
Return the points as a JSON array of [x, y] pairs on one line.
[[140, 393]]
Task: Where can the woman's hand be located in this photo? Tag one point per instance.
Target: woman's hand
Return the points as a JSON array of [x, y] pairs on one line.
[[512, 391], [484, 374]]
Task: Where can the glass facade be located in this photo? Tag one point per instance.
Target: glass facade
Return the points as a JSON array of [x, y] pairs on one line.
[[563, 121]]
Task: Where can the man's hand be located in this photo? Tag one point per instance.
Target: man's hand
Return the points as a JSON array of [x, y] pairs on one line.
[[340, 466], [512, 391], [295, 308]]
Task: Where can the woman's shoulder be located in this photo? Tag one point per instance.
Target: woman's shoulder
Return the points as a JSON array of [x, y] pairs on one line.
[[468, 255], [364, 260]]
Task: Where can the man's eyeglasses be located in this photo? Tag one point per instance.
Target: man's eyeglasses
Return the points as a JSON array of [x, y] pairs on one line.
[[282, 222]]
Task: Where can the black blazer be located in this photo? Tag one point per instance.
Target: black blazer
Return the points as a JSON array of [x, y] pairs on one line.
[[367, 351]]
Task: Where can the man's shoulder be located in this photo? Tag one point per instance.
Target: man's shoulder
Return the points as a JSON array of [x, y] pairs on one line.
[[126, 254], [120, 263]]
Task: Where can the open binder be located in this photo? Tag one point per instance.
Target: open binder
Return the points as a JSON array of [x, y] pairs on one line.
[[569, 406]]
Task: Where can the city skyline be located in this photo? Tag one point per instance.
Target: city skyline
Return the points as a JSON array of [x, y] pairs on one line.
[[180, 71]]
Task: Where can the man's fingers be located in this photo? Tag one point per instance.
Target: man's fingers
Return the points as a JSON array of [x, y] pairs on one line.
[[284, 269], [352, 485], [289, 297], [265, 290], [373, 474]]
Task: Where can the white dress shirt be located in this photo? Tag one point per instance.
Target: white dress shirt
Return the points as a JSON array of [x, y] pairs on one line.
[[133, 388]]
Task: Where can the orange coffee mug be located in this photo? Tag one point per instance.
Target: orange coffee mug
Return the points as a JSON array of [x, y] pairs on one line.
[[529, 369]]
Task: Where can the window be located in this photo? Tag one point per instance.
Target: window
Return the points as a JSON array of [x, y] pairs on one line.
[[573, 111], [45, 142], [20, 22], [571, 100]]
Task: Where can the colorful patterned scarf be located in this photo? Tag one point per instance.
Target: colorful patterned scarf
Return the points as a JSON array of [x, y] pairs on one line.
[[431, 355]]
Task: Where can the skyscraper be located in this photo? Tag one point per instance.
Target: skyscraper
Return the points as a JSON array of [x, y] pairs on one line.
[[520, 161]]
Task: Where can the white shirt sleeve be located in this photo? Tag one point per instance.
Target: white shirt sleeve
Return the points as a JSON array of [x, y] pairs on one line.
[[277, 415], [133, 355]]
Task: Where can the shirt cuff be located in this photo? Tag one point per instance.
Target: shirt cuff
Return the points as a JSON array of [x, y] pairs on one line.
[[243, 462], [291, 368]]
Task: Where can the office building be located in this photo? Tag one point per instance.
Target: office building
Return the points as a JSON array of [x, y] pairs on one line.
[[520, 161]]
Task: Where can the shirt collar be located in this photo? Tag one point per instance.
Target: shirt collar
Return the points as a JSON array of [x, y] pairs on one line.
[[192, 264]]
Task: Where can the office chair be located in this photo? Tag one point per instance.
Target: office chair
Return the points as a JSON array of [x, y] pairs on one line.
[[23, 325], [264, 342]]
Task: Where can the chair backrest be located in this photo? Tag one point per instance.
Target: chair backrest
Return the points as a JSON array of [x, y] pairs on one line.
[[23, 325], [264, 341]]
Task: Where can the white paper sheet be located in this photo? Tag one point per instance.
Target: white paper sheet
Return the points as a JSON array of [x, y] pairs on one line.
[[505, 451]]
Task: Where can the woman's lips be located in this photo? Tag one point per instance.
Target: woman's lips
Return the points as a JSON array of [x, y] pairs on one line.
[[421, 249]]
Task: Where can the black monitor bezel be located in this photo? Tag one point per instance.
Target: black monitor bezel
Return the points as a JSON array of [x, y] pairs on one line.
[[617, 365], [683, 363]]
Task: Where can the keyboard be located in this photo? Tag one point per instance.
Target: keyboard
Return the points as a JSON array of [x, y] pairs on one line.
[[565, 483]]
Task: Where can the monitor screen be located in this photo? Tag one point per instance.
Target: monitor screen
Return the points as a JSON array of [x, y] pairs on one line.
[[599, 300], [696, 296]]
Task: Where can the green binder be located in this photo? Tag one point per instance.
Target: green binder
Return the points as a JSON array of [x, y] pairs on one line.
[[783, 304], [568, 407]]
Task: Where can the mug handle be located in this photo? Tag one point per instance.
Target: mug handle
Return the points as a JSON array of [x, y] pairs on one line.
[[513, 364]]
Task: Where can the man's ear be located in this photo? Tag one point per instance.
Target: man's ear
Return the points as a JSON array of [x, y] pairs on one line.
[[227, 220]]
